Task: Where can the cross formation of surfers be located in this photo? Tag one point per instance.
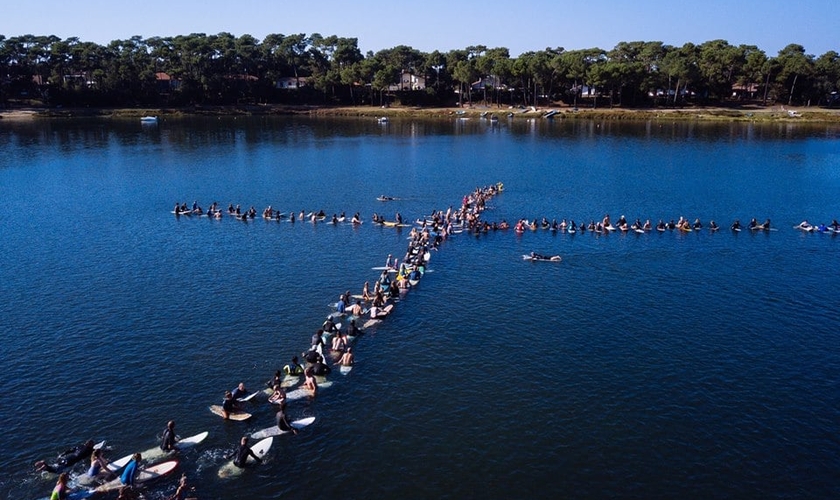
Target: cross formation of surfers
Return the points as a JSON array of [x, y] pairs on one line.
[[372, 305]]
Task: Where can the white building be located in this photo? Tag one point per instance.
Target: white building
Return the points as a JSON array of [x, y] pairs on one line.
[[408, 81]]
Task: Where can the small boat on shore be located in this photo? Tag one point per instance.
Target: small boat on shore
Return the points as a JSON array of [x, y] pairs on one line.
[[148, 119]]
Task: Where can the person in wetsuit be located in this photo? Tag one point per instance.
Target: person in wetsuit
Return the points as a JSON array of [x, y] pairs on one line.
[[243, 453], [168, 439], [282, 421]]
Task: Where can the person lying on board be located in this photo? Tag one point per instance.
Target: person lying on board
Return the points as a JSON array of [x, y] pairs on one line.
[[537, 256], [67, 458], [736, 226]]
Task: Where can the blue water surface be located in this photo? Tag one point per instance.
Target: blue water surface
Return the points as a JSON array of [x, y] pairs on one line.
[[673, 365]]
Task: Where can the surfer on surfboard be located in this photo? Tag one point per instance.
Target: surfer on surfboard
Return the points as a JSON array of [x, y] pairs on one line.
[[243, 453], [282, 421]]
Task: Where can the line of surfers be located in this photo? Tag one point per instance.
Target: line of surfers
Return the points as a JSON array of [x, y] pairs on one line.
[[429, 236], [269, 213], [98, 472], [371, 303], [606, 225], [433, 231]]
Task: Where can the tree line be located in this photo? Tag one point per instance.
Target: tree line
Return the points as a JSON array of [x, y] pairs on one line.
[[224, 69]]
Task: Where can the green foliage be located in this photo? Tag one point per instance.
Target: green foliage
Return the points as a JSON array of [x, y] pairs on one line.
[[226, 69]]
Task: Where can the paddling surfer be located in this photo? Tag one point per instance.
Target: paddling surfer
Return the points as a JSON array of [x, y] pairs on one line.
[[67, 458]]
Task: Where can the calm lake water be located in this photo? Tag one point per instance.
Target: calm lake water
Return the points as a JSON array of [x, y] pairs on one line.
[[696, 365]]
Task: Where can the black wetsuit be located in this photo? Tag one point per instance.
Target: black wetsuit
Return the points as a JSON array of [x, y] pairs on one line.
[[167, 442], [281, 421], [320, 369], [74, 455], [316, 339], [242, 456], [311, 357]]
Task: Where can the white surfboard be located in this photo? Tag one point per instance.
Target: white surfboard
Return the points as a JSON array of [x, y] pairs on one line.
[[345, 369], [144, 475], [235, 415], [259, 449], [302, 392], [248, 397], [275, 431], [155, 453]]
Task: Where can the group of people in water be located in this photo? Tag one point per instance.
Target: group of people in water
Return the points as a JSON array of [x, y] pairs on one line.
[[98, 472], [606, 225], [373, 304], [269, 213]]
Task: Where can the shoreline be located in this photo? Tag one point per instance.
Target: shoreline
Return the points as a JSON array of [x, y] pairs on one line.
[[747, 113]]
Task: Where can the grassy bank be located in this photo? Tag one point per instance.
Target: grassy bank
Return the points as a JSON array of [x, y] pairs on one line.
[[747, 113]]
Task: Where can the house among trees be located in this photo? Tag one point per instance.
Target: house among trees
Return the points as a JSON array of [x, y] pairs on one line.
[[488, 82], [745, 91], [291, 82], [408, 81], [165, 83]]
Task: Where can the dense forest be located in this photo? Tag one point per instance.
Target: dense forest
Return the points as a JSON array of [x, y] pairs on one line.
[[222, 69]]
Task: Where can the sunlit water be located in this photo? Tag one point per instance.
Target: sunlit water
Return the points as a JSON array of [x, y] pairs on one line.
[[671, 365]]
